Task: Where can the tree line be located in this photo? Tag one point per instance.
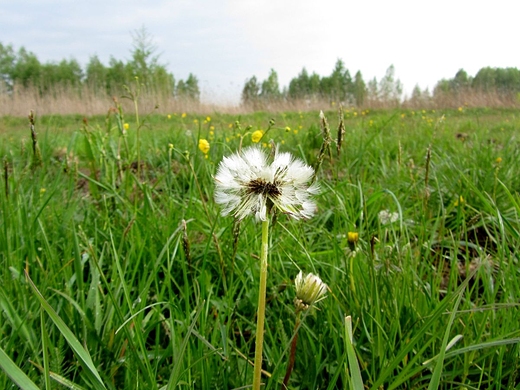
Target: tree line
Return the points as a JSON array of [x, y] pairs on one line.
[[341, 87], [22, 69]]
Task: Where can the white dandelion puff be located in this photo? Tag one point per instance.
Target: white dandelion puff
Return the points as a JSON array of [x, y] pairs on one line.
[[247, 184]]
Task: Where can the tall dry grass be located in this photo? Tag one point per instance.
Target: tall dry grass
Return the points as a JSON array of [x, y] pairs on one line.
[[88, 101]]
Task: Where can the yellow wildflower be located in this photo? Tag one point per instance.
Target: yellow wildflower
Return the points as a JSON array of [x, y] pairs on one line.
[[352, 237], [183, 115], [204, 145], [126, 126], [460, 201], [498, 160], [257, 136]]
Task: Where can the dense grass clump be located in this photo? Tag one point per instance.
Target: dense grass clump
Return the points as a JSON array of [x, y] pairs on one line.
[[119, 272]]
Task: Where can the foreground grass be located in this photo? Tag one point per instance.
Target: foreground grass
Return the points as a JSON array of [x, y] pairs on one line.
[[119, 233]]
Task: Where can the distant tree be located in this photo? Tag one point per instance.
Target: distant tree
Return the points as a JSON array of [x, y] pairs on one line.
[[250, 92], [189, 89], [118, 74], [27, 69], [7, 65], [145, 65], [373, 90], [270, 89], [484, 79], [96, 74], [359, 89], [299, 86], [461, 81], [338, 85], [390, 89]]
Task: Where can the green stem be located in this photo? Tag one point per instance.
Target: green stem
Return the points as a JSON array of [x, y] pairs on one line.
[[292, 354], [261, 306]]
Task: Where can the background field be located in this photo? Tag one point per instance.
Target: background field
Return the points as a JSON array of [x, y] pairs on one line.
[[95, 218]]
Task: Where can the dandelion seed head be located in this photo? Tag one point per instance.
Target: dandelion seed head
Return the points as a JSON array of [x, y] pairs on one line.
[[246, 184]]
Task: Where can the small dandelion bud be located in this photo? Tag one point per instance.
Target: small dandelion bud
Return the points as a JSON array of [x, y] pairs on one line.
[[271, 122], [170, 146], [309, 291], [353, 237]]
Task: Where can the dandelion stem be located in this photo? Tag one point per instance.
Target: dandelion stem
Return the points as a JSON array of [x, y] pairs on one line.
[[292, 354], [261, 306]]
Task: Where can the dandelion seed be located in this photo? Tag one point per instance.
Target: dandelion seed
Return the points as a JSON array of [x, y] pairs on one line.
[[257, 136], [309, 290], [204, 145], [246, 184]]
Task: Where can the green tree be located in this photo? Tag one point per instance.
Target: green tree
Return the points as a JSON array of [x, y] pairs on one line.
[[270, 87], [7, 65], [144, 65], [299, 86], [96, 74], [359, 89], [250, 92], [189, 89], [461, 81], [27, 69], [390, 88]]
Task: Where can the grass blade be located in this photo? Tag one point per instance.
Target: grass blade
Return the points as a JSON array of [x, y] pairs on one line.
[[15, 373], [356, 382], [80, 352]]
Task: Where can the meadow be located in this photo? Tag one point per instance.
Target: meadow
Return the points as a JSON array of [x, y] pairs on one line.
[[119, 272]]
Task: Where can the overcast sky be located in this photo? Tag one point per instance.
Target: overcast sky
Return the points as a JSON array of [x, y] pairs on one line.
[[225, 42]]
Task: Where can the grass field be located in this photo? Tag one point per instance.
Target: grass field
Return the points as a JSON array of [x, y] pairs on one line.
[[118, 271]]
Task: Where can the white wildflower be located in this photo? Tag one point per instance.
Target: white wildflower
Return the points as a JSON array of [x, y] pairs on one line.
[[247, 184], [309, 290], [386, 217]]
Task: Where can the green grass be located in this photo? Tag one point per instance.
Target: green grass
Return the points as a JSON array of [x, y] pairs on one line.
[[132, 297]]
